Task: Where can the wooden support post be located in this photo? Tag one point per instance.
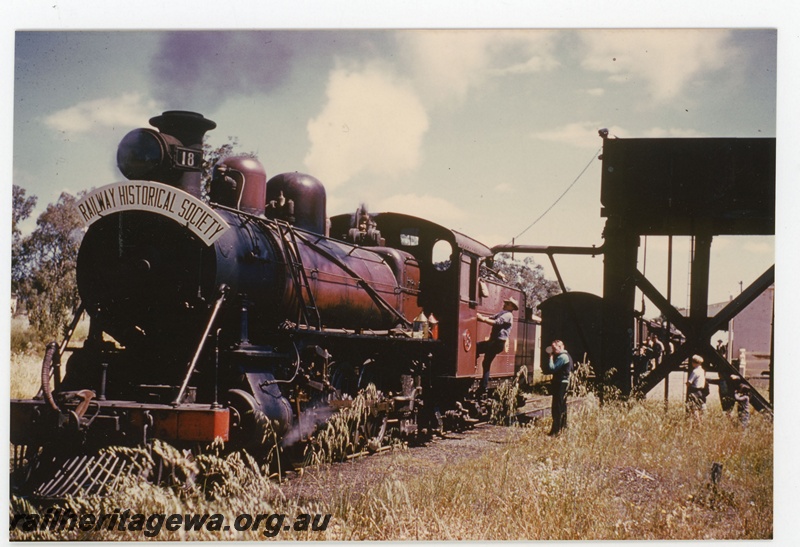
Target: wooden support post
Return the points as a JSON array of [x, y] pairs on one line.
[[619, 294], [698, 308]]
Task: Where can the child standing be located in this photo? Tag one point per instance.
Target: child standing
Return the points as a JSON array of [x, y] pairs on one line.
[[742, 396], [696, 387]]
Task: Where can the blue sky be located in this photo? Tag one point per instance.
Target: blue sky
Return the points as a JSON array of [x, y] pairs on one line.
[[479, 130]]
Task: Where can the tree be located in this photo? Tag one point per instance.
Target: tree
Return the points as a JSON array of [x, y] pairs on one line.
[[529, 277], [21, 209], [47, 271]]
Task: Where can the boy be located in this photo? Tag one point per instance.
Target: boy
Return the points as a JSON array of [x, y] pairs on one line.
[[742, 396], [696, 387]]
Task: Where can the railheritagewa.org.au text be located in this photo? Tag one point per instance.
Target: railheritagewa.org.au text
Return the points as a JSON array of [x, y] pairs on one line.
[[151, 525]]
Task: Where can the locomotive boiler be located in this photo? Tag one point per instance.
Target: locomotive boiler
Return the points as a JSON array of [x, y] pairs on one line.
[[241, 312]]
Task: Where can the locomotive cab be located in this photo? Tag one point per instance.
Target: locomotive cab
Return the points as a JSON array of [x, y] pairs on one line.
[[451, 288]]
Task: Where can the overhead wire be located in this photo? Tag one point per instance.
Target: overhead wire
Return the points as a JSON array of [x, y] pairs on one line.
[[532, 224]]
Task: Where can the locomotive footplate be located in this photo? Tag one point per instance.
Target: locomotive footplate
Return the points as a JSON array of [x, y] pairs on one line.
[[33, 422]]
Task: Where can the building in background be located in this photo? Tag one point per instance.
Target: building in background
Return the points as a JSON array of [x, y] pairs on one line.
[[750, 335]]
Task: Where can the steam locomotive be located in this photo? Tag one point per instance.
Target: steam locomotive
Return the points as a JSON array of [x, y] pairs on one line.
[[250, 313]]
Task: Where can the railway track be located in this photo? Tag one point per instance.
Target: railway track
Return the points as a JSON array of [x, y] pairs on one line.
[[94, 474], [538, 406], [360, 476]]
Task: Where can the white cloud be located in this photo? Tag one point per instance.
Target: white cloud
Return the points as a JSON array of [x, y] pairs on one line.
[[580, 134], [585, 134], [596, 92], [429, 207], [664, 61], [373, 123], [447, 64], [662, 132], [125, 111], [530, 65]]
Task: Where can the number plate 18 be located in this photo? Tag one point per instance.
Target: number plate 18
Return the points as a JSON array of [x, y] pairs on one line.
[[187, 159]]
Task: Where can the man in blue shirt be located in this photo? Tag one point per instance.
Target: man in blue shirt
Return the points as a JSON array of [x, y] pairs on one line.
[[560, 366], [501, 323]]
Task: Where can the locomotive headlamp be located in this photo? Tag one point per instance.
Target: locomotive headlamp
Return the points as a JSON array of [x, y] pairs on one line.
[[146, 154]]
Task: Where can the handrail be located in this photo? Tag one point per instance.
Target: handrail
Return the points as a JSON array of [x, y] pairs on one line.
[[297, 272], [549, 249], [223, 291], [71, 330], [377, 298], [369, 290]]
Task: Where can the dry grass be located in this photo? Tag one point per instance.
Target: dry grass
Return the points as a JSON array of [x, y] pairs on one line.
[[228, 485], [27, 352], [624, 471], [619, 472], [338, 437], [507, 399], [26, 375]]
